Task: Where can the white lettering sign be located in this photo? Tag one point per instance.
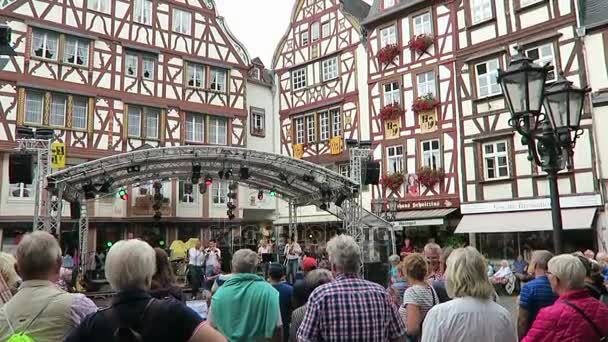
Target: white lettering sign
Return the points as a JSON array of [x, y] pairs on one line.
[[531, 204]]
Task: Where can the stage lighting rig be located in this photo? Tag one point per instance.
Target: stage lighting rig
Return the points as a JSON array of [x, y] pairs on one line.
[[196, 173], [230, 206], [202, 188], [188, 188], [208, 180]]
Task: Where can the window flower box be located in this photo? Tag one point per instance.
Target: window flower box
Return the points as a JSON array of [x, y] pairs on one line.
[[387, 54], [391, 112], [428, 176], [393, 181], [420, 43], [424, 103]]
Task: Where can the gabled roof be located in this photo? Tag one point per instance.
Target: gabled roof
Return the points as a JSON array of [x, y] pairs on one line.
[[357, 8], [594, 13], [257, 61], [376, 12], [266, 76]]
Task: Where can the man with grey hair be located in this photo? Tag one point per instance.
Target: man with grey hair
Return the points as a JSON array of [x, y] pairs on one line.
[[40, 309], [535, 294], [246, 307], [362, 306], [432, 253]]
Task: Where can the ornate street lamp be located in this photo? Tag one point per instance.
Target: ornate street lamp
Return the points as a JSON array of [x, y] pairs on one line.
[[550, 136], [377, 205], [392, 206]]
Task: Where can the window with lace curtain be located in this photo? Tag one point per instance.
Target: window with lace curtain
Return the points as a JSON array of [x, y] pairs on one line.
[[76, 51], [142, 11]]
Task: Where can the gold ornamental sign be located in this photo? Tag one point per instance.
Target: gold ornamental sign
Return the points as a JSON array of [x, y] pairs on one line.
[[298, 151], [335, 145], [392, 128], [428, 121]]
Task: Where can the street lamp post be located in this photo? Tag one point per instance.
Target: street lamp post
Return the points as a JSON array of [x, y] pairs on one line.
[[550, 136]]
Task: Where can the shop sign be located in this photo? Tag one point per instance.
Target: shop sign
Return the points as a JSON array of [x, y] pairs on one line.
[[427, 204], [423, 222], [335, 145], [428, 121], [298, 151], [392, 128], [57, 155], [531, 204]]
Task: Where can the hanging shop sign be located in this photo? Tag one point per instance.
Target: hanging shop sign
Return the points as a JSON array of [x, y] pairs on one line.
[[298, 151], [57, 155], [428, 121], [392, 128], [427, 204], [335, 145]]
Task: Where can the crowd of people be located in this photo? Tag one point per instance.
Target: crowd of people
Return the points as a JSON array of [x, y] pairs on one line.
[[437, 295]]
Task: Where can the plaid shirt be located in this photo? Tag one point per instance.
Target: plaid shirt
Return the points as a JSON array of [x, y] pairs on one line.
[[350, 309]]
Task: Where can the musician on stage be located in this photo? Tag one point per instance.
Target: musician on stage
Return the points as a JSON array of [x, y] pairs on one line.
[[292, 258], [213, 257]]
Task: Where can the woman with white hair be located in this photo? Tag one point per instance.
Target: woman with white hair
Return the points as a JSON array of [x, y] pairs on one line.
[[471, 315], [575, 315], [134, 314]]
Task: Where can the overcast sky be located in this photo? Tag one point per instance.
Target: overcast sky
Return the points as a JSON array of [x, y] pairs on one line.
[[259, 24]]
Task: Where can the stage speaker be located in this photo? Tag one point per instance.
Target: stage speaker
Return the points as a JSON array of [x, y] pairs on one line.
[[372, 173], [244, 171], [75, 210], [376, 272], [20, 169]]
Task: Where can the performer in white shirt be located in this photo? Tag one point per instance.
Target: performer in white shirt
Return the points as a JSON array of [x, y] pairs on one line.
[[265, 249], [292, 258], [196, 257], [213, 256]]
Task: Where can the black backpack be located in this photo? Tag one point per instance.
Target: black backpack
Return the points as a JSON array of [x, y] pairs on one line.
[[127, 330]]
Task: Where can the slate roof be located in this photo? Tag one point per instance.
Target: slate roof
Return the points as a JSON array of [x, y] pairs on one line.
[[266, 76], [357, 8], [595, 12], [376, 12]]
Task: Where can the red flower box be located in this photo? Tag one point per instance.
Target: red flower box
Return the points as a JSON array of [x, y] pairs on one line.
[[428, 176], [393, 181], [388, 53], [421, 43], [391, 112], [424, 103]]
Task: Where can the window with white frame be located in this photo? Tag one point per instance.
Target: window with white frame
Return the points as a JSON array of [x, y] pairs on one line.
[[34, 107], [431, 154], [218, 130], [298, 78], [142, 11], [344, 170], [299, 129], [219, 191], [389, 3], [255, 73], [496, 160], [58, 107], [324, 126], [523, 3], [388, 36], [394, 159], [304, 38], [148, 67], [423, 24], [183, 196], [542, 55], [196, 74], [76, 51], [131, 62], [152, 118], [325, 30], [195, 127], [99, 5], [336, 123], [311, 129], [330, 69], [181, 21], [21, 190], [44, 44], [79, 112], [426, 83], [257, 121], [314, 31], [482, 10], [218, 79], [487, 78], [391, 93], [134, 121]]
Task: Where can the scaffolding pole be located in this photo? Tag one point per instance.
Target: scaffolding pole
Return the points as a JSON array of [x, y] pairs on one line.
[[83, 234]]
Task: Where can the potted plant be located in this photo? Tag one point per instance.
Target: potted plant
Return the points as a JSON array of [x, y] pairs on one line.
[[393, 181], [428, 176], [388, 53], [420, 43], [391, 112], [424, 103]]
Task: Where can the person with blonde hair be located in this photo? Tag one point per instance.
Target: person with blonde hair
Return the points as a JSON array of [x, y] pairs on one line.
[[8, 277], [575, 315], [130, 267], [419, 297], [471, 315]]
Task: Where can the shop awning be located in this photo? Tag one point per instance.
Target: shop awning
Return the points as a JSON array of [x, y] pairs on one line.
[[431, 217], [524, 221]]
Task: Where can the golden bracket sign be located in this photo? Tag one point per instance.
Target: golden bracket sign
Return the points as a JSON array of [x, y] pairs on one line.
[[392, 128], [428, 121], [298, 151], [58, 155], [335, 145]]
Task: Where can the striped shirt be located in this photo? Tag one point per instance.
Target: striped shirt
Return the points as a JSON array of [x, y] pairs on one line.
[[422, 296], [535, 295], [350, 309]]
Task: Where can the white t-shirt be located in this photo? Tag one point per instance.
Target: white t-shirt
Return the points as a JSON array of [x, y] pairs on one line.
[[263, 250], [469, 319], [503, 272], [422, 296], [213, 256], [296, 250], [195, 257]]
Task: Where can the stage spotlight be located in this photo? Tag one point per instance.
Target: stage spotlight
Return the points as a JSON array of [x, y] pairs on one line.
[[133, 168], [308, 178], [158, 197], [340, 199], [89, 191], [208, 180], [122, 193], [231, 206], [202, 188], [156, 206], [228, 174], [157, 216], [106, 185], [220, 174], [230, 214], [260, 195], [233, 186], [232, 195], [196, 173], [283, 178], [244, 171], [272, 193], [188, 188]]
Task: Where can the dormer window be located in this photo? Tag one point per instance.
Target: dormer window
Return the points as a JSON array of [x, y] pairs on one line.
[[389, 3], [255, 74]]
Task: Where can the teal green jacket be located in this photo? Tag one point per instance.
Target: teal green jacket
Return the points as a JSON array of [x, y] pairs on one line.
[[245, 308]]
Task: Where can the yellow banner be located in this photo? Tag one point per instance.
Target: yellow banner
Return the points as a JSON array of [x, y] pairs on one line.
[[298, 151], [428, 121], [335, 145], [392, 128], [57, 155]]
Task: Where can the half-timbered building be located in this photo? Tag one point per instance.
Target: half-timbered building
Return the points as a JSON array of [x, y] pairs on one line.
[[505, 202], [111, 76], [319, 88], [412, 112]]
